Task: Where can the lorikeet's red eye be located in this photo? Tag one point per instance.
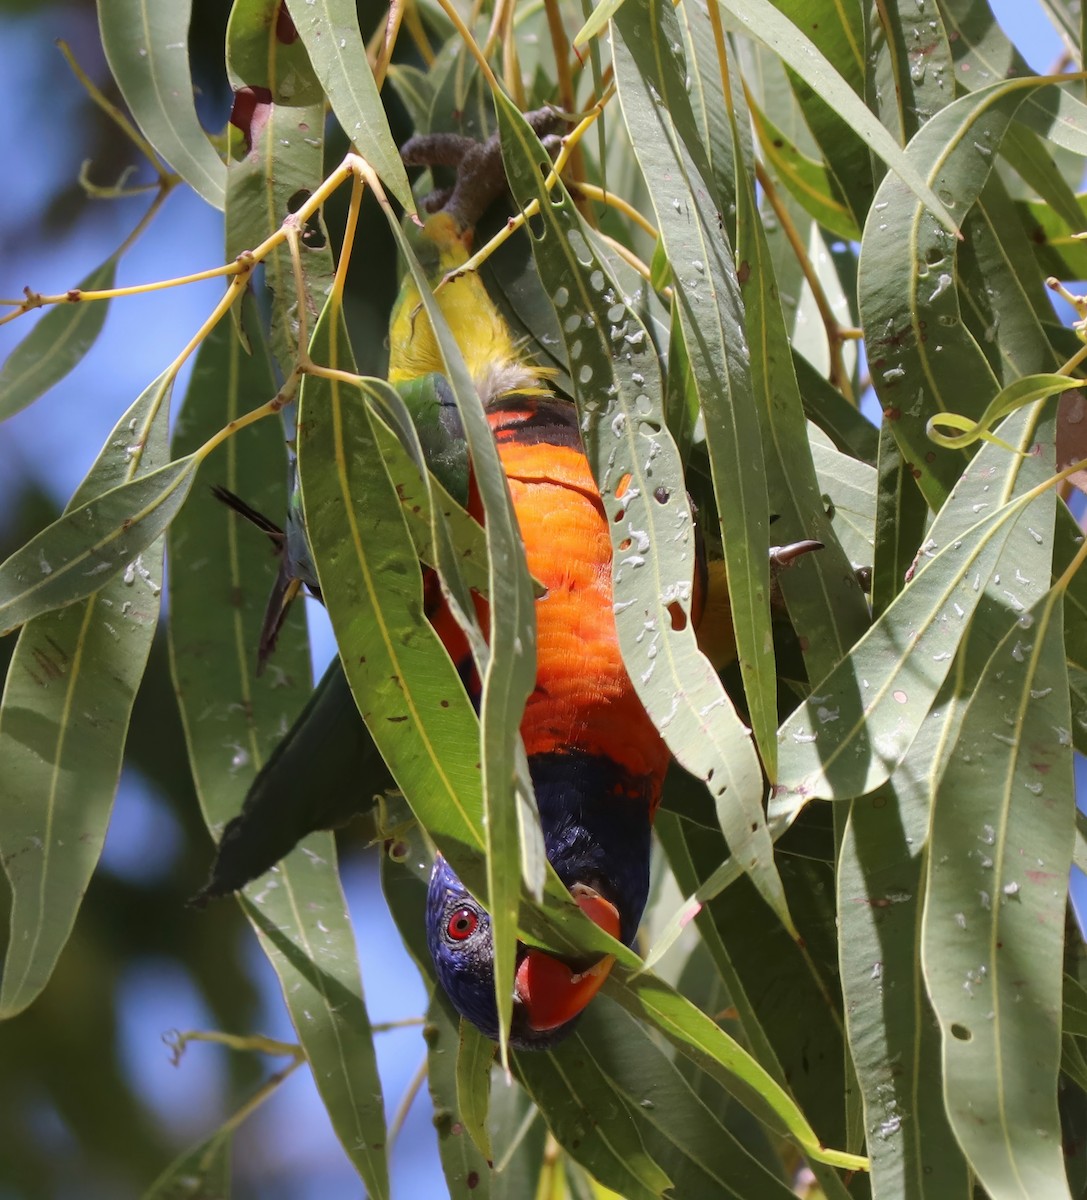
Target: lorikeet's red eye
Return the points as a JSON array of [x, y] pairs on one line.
[[462, 924]]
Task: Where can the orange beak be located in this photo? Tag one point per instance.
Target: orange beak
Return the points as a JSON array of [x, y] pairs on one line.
[[551, 992]]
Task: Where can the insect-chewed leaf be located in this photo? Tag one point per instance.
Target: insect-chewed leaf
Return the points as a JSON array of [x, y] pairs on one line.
[[147, 48], [330, 31], [904, 245], [619, 393], [666, 139], [67, 700], [83, 549], [846, 738], [233, 719], [993, 934], [55, 345]]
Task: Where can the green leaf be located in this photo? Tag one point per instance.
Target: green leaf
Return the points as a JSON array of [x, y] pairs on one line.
[[809, 181], [901, 517], [700, 1039], [924, 360], [910, 78], [475, 1053], [619, 392], [400, 674], [848, 487], [275, 163], [826, 606], [55, 345], [768, 977], [1017, 394], [330, 31], [467, 1172], [983, 54], [663, 132], [67, 701], [571, 1094], [202, 1173], [994, 925], [298, 910], [683, 1133], [147, 46], [846, 738], [893, 1039], [88, 545]]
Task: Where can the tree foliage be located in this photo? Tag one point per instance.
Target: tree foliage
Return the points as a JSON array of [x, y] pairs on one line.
[[762, 212]]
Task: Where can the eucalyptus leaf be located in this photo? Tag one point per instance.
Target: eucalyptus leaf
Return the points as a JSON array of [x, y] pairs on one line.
[[147, 46], [55, 345]]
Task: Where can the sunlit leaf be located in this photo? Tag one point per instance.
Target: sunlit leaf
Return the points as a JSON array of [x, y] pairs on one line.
[[924, 359], [88, 545], [845, 739], [994, 926], [330, 31]]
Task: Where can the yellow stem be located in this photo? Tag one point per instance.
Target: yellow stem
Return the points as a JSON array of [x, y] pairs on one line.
[[417, 32], [470, 43], [332, 373], [384, 54], [592, 191], [353, 209]]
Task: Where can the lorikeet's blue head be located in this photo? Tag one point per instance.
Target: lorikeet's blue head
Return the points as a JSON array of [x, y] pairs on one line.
[[597, 837]]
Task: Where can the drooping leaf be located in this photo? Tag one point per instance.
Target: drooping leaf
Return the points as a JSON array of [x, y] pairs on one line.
[[924, 360], [67, 700], [994, 927], [846, 738], [89, 544], [147, 46], [233, 719], [330, 31]]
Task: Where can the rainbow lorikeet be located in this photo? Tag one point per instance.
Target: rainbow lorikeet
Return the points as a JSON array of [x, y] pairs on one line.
[[596, 760]]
